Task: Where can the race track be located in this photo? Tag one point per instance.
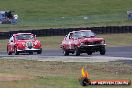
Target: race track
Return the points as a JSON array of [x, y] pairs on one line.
[[110, 51], [112, 54]]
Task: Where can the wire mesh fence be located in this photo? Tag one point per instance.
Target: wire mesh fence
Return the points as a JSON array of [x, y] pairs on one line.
[[75, 20], [69, 22]]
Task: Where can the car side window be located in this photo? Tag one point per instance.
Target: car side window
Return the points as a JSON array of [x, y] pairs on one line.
[[75, 36], [71, 36], [67, 37], [11, 39]]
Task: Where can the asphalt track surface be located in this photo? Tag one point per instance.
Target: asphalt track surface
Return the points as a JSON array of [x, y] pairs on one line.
[[125, 51], [110, 51]]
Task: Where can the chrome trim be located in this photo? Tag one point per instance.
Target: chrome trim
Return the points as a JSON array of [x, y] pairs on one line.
[[28, 49], [93, 45]]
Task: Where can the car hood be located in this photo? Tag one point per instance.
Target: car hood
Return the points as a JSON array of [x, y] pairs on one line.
[[93, 39]]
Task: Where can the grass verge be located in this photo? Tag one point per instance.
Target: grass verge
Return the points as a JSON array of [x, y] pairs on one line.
[[61, 74], [67, 13]]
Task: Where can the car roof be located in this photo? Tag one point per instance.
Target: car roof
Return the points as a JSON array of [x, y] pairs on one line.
[[84, 30], [79, 31], [21, 33]]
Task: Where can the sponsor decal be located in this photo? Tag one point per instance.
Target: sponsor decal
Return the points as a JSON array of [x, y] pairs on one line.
[[85, 81]]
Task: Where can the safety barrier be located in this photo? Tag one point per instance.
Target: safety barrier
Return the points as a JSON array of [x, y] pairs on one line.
[[64, 31]]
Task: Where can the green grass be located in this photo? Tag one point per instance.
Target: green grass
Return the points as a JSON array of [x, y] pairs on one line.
[[53, 42], [118, 39], [35, 14], [61, 74]]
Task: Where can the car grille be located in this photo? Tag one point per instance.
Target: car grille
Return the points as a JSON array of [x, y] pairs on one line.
[[92, 43], [29, 45]]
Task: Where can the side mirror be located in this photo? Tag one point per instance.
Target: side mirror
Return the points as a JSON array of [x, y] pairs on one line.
[[71, 38], [34, 36], [65, 37]]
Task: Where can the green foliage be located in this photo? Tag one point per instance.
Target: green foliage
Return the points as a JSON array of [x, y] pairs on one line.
[[67, 13]]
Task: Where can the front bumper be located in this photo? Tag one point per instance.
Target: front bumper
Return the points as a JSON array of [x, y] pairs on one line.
[[93, 48], [29, 50], [96, 45]]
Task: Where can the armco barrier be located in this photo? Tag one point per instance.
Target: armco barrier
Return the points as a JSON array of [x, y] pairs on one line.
[[62, 31]]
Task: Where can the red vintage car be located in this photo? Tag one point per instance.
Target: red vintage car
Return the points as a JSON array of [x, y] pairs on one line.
[[23, 43], [83, 41]]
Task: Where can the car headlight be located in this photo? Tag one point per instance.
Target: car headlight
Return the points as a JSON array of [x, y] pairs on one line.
[[103, 42], [81, 44], [36, 42], [24, 44]]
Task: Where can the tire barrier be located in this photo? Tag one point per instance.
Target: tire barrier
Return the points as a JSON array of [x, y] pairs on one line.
[[62, 32]]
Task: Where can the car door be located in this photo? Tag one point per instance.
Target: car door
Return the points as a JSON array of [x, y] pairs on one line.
[[71, 41], [11, 44], [65, 42]]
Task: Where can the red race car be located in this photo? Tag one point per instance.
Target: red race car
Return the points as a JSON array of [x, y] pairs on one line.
[[83, 41], [23, 43]]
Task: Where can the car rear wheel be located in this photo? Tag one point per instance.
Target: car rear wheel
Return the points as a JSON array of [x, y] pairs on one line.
[[16, 52], [65, 52], [77, 51], [102, 51]]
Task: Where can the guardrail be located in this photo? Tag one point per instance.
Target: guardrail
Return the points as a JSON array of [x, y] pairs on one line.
[[64, 31]]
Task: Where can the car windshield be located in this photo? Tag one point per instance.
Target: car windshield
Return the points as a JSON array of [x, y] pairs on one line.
[[24, 37], [84, 34]]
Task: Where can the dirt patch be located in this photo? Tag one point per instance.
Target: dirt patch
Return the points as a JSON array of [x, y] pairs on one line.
[[10, 77]]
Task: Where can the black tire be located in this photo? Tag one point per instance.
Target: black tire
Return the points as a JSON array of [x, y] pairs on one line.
[[39, 52], [77, 51], [65, 52], [9, 53], [89, 52], [15, 51], [102, 51]]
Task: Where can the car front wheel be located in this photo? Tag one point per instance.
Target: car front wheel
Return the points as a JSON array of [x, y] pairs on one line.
[[102, 51], [16, 52], [39, 52], [65, 52], [77, 51], [8, 52]]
